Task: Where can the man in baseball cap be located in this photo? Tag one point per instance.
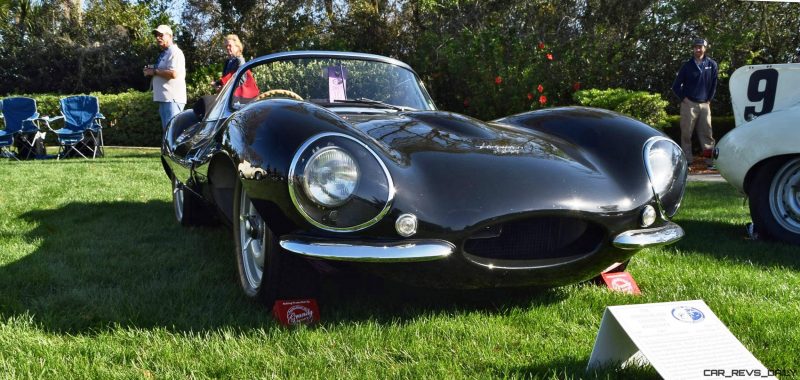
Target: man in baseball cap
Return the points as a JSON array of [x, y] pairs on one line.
[[697, 42], [163, 29], [169, 76], [696, 85]]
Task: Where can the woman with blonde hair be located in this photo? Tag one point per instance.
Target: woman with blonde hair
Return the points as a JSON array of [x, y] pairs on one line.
[[235, 59]]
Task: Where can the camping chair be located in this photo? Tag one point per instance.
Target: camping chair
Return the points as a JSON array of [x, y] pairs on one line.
[[82, 133], [22, 128]]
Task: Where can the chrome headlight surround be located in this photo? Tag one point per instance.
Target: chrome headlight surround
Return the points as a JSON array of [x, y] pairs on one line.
[[667, 171], [362, 189]]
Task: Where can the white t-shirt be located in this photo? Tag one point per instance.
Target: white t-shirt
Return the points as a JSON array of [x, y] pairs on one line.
[[167, 90]]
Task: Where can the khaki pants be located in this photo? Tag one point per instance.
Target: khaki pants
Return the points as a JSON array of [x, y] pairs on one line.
[[695, 114]]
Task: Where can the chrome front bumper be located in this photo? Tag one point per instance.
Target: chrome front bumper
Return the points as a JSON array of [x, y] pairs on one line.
[[430, 250], [649, 237], [405, 251]]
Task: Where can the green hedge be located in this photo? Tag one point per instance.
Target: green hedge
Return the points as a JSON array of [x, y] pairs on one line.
[[131, 117], [642, 105]]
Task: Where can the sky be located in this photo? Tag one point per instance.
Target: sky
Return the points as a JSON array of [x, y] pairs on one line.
[[175, 10]]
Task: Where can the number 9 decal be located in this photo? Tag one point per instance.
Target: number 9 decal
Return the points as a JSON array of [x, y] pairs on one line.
[[766, 97]]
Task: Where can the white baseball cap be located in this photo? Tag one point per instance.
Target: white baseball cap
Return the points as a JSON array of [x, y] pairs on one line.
[[163, 29]]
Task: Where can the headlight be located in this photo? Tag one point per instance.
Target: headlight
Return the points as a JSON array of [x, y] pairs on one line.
[[330, 177], [667, 170], [337, 183]]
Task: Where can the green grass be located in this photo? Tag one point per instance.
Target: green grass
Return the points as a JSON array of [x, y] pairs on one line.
[[97, 280]]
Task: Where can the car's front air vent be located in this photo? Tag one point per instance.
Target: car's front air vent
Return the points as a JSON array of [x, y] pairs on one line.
[[535, 239]]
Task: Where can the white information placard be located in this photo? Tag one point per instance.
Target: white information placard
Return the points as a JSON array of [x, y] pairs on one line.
[[681, 340]]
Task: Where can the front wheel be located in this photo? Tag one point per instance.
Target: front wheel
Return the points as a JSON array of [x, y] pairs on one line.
[[775, 200], [266, 271], [257, 250]]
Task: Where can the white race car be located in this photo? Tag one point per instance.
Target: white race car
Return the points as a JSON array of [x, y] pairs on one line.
[[761, 156]]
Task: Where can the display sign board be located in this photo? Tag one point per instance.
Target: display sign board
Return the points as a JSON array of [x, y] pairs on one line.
[[681, 340]]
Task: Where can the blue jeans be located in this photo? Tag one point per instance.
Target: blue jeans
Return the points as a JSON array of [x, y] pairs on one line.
[[168, 110]]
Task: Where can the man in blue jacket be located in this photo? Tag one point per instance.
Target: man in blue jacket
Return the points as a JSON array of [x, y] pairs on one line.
[[695, 86]]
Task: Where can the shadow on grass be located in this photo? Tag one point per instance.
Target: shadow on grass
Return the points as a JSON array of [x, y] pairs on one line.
[[354, 296], [135, 154], [709, 209], [130, 264], [727, 241], [111, 154], [572, 368], [115, 159]]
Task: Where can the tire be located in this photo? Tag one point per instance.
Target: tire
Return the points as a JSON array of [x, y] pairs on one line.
[[775, 200], [189, 209], [266, 271]]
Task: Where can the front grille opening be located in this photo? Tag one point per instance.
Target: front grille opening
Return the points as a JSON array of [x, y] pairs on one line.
[[535, 239]]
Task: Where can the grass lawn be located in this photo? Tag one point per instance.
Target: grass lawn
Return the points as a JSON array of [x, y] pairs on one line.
[[97, 280]]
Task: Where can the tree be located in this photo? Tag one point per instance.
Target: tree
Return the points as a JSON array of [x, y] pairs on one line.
[[487, 58], [69, 46]]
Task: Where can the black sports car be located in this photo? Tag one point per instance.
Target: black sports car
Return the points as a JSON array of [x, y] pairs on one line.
[[337, 156]]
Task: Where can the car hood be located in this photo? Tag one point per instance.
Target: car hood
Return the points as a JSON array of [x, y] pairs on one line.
[[451, 167]]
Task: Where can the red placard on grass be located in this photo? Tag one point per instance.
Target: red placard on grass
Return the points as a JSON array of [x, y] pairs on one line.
[[296, 312], [621, 282]]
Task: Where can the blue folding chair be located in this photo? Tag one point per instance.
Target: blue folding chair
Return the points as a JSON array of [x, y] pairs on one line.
[[21, 128], [82, 133]]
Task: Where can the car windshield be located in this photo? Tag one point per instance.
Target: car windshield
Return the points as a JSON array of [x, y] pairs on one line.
[[337, 83]]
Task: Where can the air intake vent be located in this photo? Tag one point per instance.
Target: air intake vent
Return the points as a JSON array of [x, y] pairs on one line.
[[535, 239]]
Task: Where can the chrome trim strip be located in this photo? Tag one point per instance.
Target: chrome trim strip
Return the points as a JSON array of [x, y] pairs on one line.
[[359, 251], [649, 237], [299, 207]]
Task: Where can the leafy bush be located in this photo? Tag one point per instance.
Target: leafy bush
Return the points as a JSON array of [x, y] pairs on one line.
[[647, 107], [489, 74], [198, 81], [131, 117]]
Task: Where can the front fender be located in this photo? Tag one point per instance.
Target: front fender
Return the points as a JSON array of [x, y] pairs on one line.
[[178, 133], [743, 148], [602, 137], [262, 139]]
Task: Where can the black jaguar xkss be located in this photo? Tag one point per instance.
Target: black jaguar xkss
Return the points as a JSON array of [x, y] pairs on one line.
[[344, 157]]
